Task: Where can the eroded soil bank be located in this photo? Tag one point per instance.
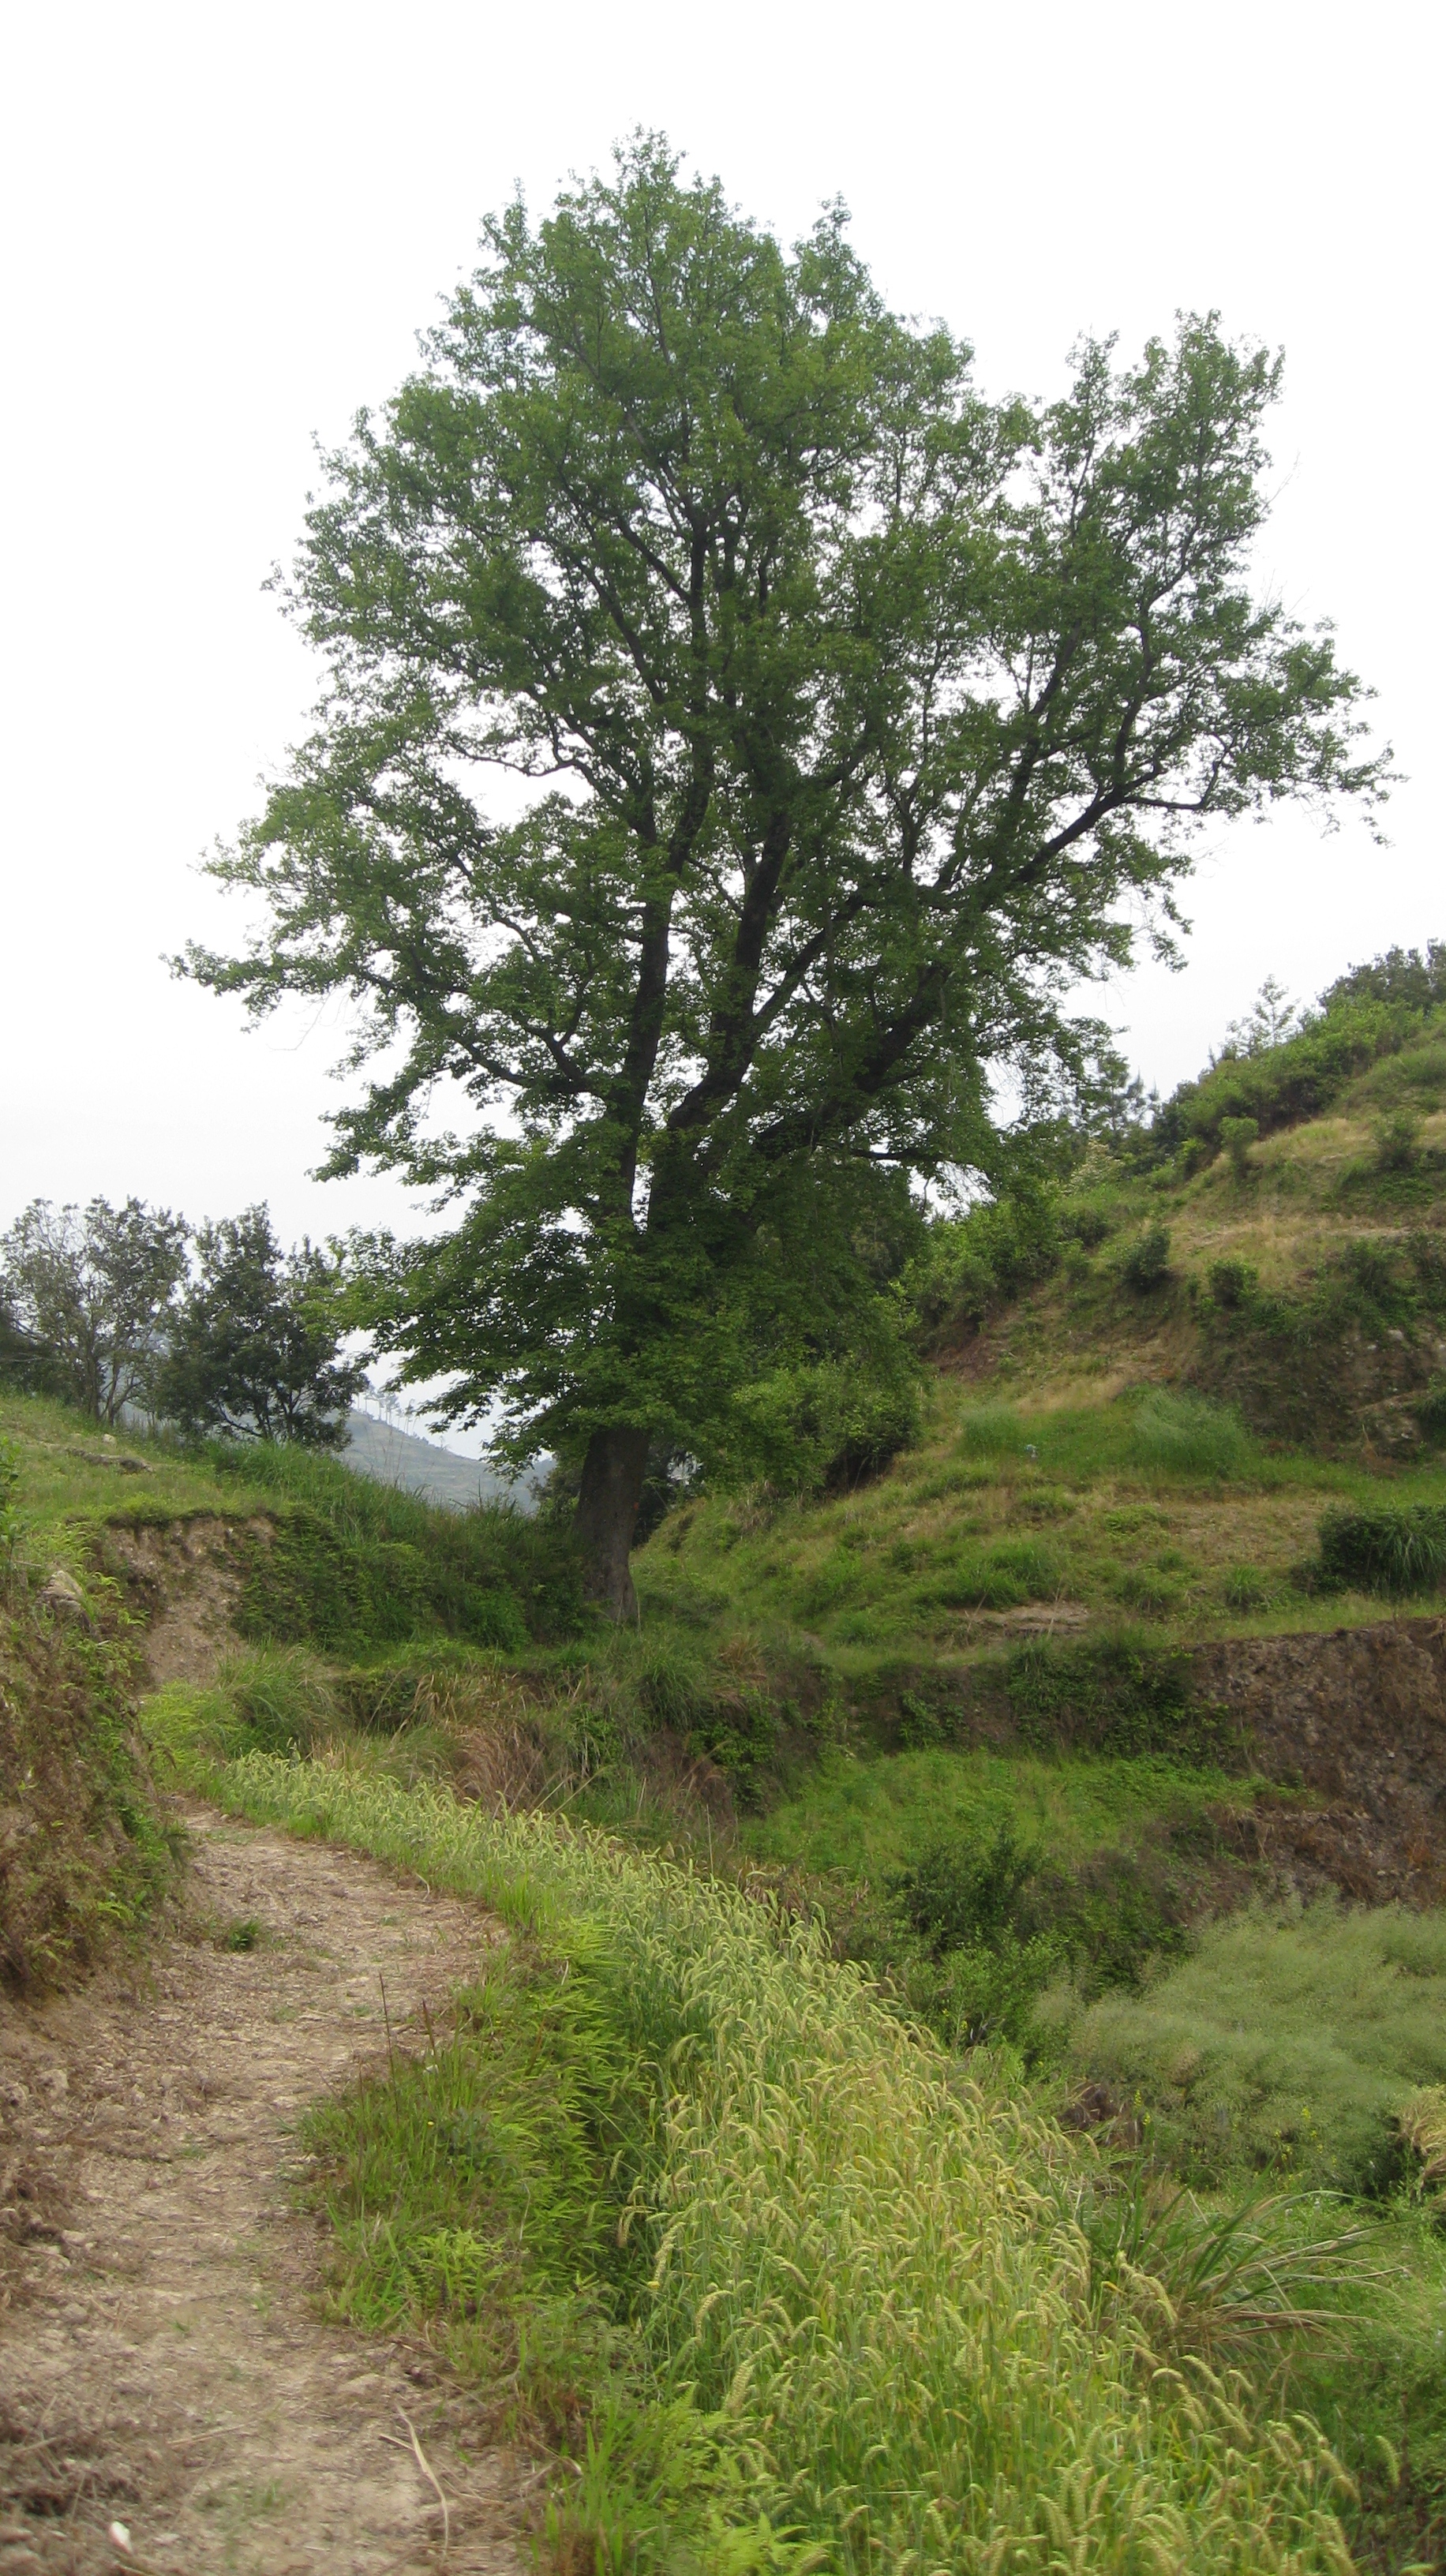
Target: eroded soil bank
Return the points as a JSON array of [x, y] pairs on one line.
[[163, 2363]]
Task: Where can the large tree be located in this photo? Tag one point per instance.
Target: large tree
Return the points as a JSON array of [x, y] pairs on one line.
[[740, 737]]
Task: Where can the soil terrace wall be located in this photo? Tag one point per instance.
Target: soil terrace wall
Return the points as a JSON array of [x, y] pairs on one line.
[[1357, 1719]]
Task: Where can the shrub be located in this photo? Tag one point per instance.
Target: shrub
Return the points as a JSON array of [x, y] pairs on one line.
[[1146, 1265], [1397, 1141], [828, 1427], [1385, 1547], [1187, 1435], [1431, 1413], [1232, 1283], [973, 1263], [1284, 2045], [1237, 1135]]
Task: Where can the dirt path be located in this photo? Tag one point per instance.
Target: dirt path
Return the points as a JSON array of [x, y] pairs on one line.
[[162, 2361]]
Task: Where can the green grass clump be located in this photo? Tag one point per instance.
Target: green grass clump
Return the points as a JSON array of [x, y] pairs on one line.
[[1186, 1436], [1283, 2046], [867, 2279], [1396, 1548]]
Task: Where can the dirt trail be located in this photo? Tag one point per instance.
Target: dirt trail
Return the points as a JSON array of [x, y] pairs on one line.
[[162, 2361]]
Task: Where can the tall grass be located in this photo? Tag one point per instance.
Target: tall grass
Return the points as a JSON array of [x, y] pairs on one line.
[[869, 2276]]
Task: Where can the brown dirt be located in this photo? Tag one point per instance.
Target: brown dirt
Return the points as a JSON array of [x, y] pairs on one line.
[[186, 1578], [164, 2362]]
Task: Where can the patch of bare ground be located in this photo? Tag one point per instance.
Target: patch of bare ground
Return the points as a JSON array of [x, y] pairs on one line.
[[164, 2362]]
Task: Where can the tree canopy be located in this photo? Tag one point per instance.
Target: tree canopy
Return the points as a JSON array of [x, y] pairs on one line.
[[740, 737]]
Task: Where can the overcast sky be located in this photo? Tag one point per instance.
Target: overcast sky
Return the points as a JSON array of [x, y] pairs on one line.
[[223, 228]]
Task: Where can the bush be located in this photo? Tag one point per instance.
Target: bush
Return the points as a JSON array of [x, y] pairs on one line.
[[1187, 1435], [1397, 1141], [1287, 2045], [1385, 1547], [1146, 1265], [1431, 1413], [1232, 1283], [829, 1427], [1237, 1135], [973, 1263]]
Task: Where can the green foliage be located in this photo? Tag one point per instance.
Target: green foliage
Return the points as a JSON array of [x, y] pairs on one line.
[[252, 1346], [1229, 2277], [1397, 1548], [1397, 1141], [355, 1563], [486, 2168], [1408, 978], [830, 1426], [777, 953], [1282, 1085], [307, 1582], [1113, 1696], [1237, 1135], [971, 1264], [89, 1290], [1232, 1283], [1282, 2045], [1145, 1266], [995, 1578], [274, 1701], [1188, 1436]]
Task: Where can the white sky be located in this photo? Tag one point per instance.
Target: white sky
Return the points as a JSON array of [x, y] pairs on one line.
[[222, 229]]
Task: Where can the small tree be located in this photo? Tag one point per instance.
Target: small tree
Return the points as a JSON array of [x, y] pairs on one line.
[[1237, 1135], [253, 1349], [876, 715], [92, 1290]]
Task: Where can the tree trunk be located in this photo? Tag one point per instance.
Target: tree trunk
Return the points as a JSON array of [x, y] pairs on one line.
[[607, 1508]]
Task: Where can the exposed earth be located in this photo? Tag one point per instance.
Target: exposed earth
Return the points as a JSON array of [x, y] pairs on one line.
[[171, 2396]]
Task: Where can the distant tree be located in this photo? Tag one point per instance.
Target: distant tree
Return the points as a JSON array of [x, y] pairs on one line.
[[881, 714], [1411, 975], [90, 1291], [254, 1343]]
